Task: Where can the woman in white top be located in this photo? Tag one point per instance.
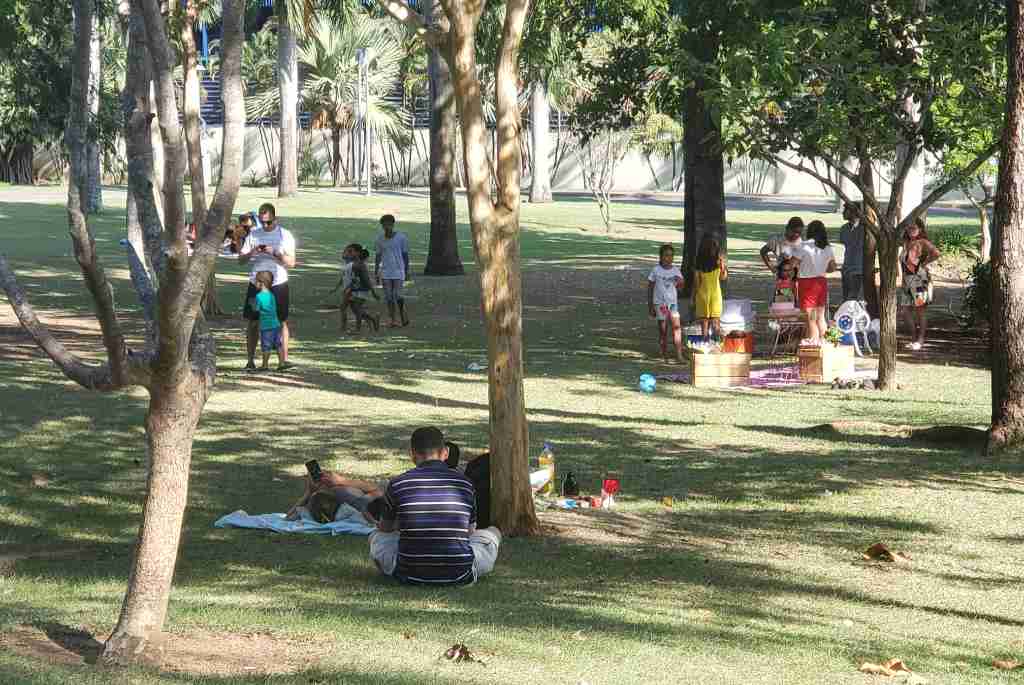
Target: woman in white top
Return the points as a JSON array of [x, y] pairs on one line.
[[816, 259]]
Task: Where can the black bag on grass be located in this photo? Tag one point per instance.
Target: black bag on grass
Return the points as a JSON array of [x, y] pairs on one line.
[[479, 472]]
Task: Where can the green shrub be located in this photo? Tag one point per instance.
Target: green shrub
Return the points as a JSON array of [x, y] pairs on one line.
[[977, 305], [311, 168], [953, 241]]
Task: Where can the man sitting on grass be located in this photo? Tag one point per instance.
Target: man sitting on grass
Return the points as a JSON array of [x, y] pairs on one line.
[[427, 532]]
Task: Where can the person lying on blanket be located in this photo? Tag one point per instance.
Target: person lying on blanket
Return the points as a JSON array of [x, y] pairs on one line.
[[317, 497]]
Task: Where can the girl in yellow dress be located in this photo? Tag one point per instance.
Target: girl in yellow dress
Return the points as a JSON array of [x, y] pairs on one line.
[[709, 272]]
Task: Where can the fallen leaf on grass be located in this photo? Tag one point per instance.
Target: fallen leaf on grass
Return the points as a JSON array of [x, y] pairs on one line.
[[459, 653], [408, 635], [889, 668], [880, 552], [1007, 664]]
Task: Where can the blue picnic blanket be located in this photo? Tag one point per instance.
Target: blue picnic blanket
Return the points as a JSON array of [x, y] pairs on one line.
[[353, 524]]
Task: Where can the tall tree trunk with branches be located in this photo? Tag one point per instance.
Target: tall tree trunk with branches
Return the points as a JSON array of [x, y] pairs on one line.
[[288, 83], [1008, 259], [176, 363], [443, 253], [495, 225]]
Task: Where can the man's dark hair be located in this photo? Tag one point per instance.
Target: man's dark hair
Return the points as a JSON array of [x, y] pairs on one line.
[[427, 440], [453, 455], [388, 219], [794, 223], [267, 207]]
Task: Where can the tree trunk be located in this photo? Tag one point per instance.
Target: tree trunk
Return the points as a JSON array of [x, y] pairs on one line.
[[867, 177], [336, 156], [92, 197], [1008, 260], [136, 96], [194, 140], [985, 250], [17, 164], [913, 186], [184, 367], [443, 254], [888, 253], [496, 245], [704, 184], [170, 427], [540, 125], [288, 82]]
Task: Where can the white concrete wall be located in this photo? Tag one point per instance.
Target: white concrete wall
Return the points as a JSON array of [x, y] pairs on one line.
[[634, 173]]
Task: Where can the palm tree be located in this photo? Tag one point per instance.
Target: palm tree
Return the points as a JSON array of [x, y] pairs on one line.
[[329, 90]]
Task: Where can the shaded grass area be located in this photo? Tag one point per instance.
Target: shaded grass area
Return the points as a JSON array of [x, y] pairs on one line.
[[754, 575]]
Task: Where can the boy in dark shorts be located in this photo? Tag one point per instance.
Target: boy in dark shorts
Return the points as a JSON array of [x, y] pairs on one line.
[[270, 325]]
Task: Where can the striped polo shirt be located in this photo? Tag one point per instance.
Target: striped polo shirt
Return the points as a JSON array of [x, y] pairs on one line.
[[435, 508]]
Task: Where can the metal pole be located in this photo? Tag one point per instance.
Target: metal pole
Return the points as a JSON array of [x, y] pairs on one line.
[[366, 127]]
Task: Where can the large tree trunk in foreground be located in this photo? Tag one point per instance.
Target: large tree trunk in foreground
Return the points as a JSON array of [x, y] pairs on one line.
[[184, 364], [703, 180], [288, 82], [496, 244], [1008, 260], [443, 254], [16, 164], [174, 412], [540, 125]]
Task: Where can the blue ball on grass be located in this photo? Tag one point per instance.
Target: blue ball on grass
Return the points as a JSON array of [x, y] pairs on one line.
[[648, 383]]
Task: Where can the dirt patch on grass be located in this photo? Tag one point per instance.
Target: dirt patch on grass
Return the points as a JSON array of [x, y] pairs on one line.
[[198, 653]]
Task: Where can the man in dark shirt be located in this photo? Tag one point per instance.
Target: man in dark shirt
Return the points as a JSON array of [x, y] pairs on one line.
[[427, 535]]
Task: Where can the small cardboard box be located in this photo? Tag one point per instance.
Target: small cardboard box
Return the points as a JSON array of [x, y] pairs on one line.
[[826, 363], [719, 370]]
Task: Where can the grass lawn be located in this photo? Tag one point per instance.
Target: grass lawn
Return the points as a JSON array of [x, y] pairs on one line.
[[753, 576]]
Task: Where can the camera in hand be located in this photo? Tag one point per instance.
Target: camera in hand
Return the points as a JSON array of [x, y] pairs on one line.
[[313, 466]]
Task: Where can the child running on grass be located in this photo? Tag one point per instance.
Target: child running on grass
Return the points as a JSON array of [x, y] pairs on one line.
[[663, 300], [360, 287], [355, 284], [710, 271], [270, 325]]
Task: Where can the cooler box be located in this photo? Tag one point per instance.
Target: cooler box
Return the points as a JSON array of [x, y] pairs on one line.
[[739, 341]]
